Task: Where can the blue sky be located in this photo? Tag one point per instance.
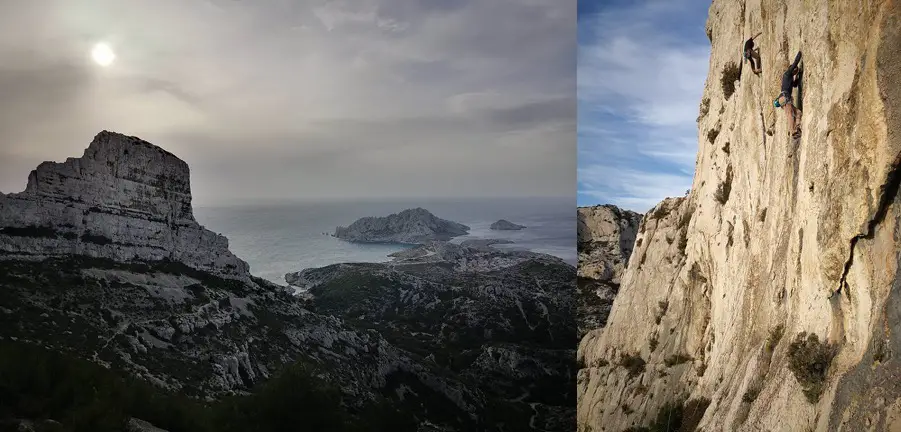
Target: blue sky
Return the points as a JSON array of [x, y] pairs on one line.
[[641, 71]]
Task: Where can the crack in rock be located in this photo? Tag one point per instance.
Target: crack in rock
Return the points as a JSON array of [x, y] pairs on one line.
[[889, 190]]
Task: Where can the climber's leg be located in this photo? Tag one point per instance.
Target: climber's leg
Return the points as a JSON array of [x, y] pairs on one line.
[[755, 61], [790, 117]]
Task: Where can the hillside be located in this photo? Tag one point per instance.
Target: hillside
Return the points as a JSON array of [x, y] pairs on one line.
[[777, 240]]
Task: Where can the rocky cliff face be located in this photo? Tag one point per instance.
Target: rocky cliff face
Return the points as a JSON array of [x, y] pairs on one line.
[[124, 199], [411, 226], [777, 240], [606, 239]]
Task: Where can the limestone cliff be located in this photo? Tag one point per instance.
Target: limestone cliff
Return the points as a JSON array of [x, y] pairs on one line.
[[124, 199], [606, 236], [776, 239]]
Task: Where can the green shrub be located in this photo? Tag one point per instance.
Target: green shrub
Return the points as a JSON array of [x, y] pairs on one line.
[[809, 361], [676, 417], [725, 187], [633, 363], [676, 359], [731, 73], [712, 134], [775, 337], [751, 395]]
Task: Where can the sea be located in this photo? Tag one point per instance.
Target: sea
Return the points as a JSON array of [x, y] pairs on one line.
[[276, 239]]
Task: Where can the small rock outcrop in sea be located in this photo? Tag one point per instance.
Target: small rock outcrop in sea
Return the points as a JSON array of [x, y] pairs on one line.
[[768, 298], [411, 226], [505, 225], [606, 236]]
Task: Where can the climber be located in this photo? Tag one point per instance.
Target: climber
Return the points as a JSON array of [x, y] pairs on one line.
[[790, 79], [752, 54]]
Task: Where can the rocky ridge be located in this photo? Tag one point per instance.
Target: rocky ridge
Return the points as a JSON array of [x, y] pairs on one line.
[[195, 321], [606, 237], [411, 226], [777, 240]]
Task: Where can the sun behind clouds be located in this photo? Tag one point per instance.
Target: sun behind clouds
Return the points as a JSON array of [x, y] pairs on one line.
[[103, 54]]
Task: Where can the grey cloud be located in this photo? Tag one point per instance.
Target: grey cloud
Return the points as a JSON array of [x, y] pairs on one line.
[[349, 96]]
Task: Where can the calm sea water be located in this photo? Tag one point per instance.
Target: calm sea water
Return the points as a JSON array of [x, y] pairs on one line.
[[279, 239]]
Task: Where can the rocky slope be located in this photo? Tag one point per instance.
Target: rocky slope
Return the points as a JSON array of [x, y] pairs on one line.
[[164, 299], [502, 321], [505, 225], [776, 240], [606, 237], [411, 226]]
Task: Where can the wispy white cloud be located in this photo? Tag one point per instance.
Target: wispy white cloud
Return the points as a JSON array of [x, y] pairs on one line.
[[628, 188], [640, 77]]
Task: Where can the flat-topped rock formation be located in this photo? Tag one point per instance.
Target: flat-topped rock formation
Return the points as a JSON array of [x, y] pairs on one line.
[[505, 225], [411, 226], [606, 237], [125, 199]]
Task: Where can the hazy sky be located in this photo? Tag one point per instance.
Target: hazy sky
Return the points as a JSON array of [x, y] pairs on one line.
[[302, 99], [642, 66]]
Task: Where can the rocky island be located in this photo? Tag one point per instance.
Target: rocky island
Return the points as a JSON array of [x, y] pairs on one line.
[[505, 225], [105, 275], [411, 226]]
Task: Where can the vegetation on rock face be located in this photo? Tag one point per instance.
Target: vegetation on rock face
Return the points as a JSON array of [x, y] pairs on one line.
[[676, 359], [633, 363], [731, 73], [676, 417], [809, 360], [712, 134], [775, 337], [725, 187]]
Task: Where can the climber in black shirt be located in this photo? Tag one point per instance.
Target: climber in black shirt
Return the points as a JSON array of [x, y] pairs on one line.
[[790, 79], [752, 55]]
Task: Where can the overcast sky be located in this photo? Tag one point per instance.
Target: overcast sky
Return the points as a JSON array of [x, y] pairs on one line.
[[642, 66], [283, 99]]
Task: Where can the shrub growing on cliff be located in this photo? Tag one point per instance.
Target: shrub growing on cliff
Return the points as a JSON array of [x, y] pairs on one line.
[[633, 363], [775, 337], [731, 73], [725, 188], [809, 361], [676, 417], [712, 134], [676, 359]]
